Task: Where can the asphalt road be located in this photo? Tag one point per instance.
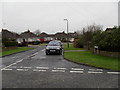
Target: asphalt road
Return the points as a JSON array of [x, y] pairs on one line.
[[33, 69]]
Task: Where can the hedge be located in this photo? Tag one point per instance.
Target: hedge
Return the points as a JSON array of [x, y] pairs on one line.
[[10, 43]]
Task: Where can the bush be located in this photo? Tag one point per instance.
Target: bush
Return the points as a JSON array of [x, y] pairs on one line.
[[35, 42], [10, 43], [78, 43], [108, 40]]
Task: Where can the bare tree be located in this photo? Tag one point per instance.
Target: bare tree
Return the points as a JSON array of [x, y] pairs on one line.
[[37, 32]]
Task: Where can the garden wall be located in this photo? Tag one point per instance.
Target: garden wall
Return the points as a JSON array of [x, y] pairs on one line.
[[111, 54]]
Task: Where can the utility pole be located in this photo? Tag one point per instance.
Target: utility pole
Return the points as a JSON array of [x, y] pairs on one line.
[[67, 33]]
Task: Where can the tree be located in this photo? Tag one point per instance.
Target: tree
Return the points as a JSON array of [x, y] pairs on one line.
[[37, 32]]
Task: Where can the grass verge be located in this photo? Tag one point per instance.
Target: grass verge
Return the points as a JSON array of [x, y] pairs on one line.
[[12, 51], [71, 47], [43, 44], [87, 57]]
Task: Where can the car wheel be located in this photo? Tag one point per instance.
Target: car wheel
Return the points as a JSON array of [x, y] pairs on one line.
[[60, 53]]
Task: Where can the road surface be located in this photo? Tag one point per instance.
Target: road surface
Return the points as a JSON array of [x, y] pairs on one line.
[[33, 69]]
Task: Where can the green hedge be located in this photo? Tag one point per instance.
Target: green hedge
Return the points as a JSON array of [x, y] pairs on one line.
[[10, 43]]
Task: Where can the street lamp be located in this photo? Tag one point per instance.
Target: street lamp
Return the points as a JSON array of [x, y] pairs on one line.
[[67, 33]]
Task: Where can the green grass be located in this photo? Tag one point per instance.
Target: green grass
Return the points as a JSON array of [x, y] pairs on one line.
[[19, 49], [87, 57], [43, 44], [71, 47]]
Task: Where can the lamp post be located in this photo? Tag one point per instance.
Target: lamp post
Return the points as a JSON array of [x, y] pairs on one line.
[[67, 33]]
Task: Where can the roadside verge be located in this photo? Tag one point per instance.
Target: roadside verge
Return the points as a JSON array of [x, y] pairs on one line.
[[93, 60], [14, 51]]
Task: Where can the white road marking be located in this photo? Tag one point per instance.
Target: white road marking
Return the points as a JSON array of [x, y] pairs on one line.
[[92, 69], [113, 72], [34, 54], [12, 64], [39, 70], [27, 67], [76, 71], [7, 69], [22, 69], [58, 70], [43, 50], [42, 67], [94, 72], [96, 69]]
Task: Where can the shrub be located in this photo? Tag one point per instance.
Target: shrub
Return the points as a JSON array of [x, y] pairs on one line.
[[78, 43], [35, 42], [10, 43]]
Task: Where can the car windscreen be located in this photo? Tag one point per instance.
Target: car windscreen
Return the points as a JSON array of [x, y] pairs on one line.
[[53, 43]]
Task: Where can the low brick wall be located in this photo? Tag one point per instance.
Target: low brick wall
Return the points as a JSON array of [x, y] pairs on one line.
[[111, 54], [105, 53]]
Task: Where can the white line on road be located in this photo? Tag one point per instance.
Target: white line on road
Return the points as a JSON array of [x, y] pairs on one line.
[[94, 72], [7, 69], [58, 70], [12, 64], [96, 69], [42, 67], [22, 69], [43, 50], [39, 70], [113, 72], [27, 67], [33, 54], [76, 71]]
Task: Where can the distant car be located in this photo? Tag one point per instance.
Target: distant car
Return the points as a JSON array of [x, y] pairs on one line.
[[54, 47]]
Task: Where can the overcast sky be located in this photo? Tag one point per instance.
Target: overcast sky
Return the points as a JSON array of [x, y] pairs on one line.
[[48, 16]]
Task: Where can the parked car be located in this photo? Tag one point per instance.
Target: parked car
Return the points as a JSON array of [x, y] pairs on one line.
[[54, 47]]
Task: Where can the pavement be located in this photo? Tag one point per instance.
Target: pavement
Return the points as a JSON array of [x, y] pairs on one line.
[[34, 69]]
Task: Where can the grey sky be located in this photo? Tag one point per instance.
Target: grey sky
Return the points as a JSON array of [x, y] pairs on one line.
[[48, 16]]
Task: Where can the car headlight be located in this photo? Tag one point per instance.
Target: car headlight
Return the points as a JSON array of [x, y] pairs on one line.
[[47, 48], [58, 48]]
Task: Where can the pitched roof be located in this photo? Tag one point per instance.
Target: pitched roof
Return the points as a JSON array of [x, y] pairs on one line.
[[43, 34], [28, 34], [7, 34]]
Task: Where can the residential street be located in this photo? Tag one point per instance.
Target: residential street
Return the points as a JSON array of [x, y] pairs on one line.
[[33, 69]]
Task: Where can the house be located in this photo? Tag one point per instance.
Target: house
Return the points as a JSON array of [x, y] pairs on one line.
[[60, 36], [29, 36], [9, 35], [72, 36]]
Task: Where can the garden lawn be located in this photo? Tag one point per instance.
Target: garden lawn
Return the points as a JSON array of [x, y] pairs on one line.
[[19, 49], [43, 44], [71, 47], [87, 57]]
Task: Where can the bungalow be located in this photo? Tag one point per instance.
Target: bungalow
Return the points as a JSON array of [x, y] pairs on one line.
[[9, 35], [29, 36]]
